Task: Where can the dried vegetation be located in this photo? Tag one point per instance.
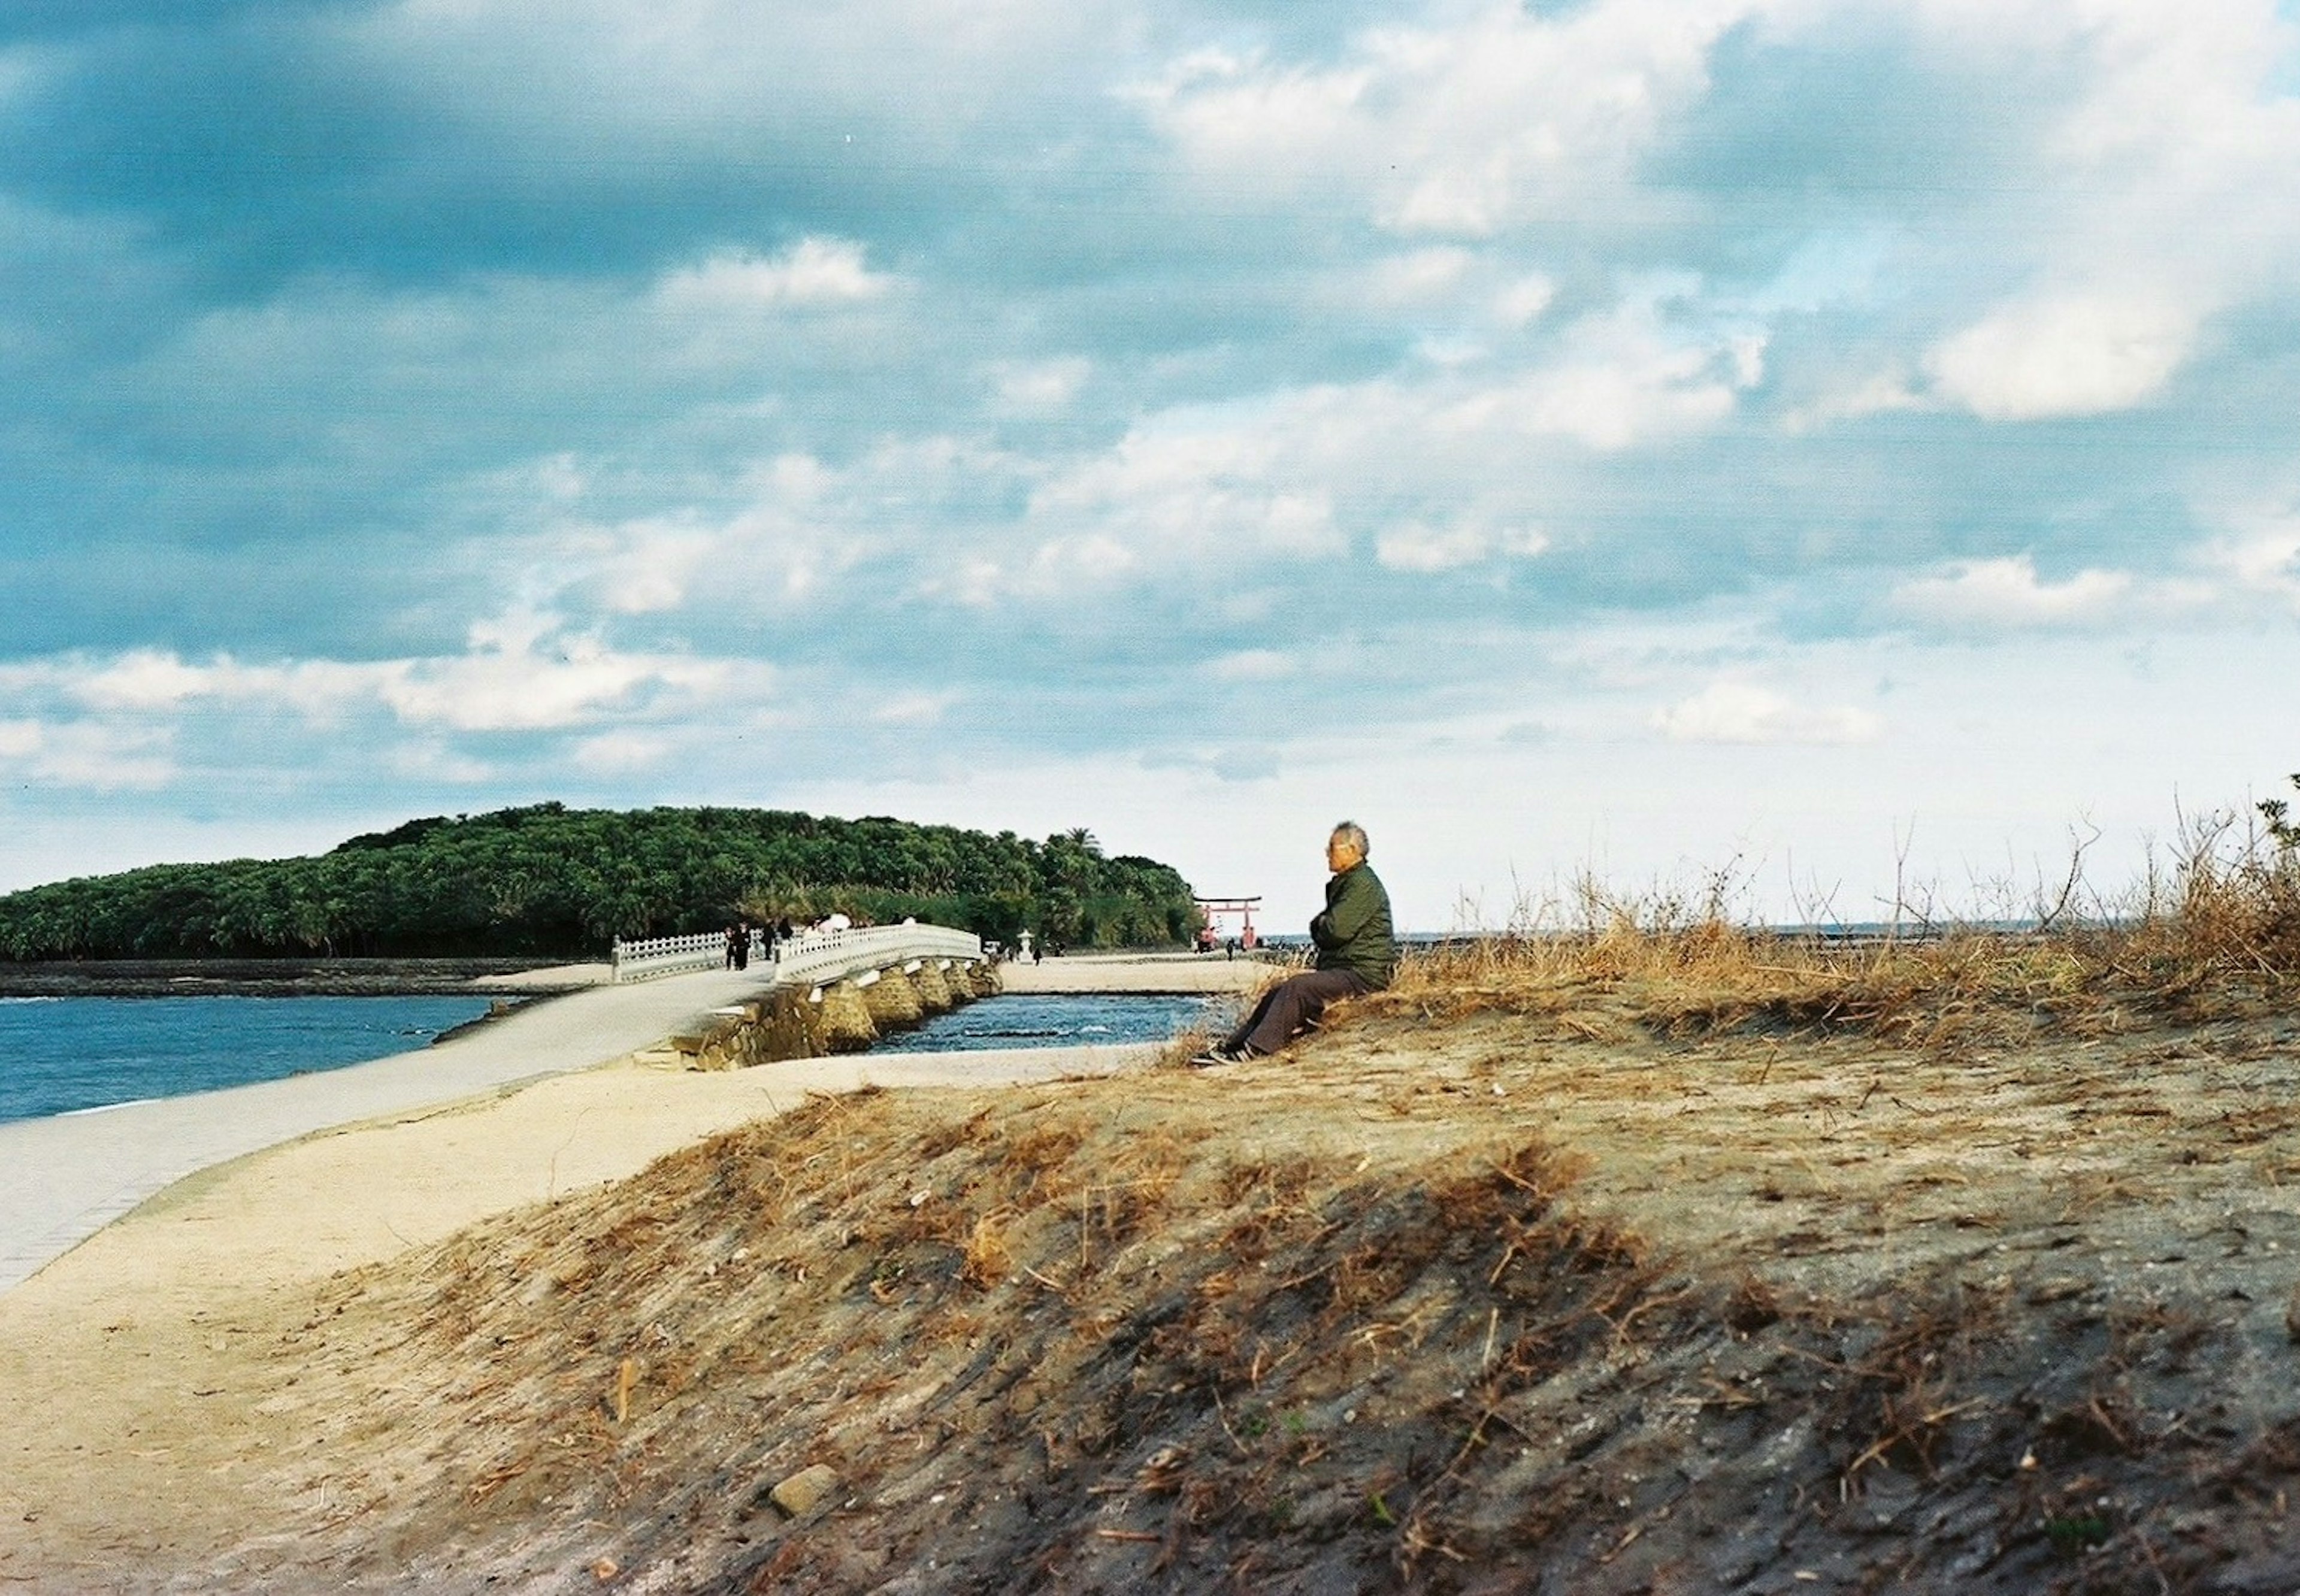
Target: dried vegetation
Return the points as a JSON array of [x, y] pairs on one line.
[[2215, 935]]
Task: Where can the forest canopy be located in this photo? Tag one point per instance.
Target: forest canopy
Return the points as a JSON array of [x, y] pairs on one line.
[[548, 880]]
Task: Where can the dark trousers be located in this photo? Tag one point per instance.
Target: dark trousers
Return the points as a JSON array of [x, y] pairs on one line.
[[1292, 1006]]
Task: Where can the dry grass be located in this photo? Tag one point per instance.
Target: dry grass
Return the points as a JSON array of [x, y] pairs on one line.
[[1106, 1301], [2219, 936]]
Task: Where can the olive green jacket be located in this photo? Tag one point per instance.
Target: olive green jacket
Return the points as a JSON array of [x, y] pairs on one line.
[[1354, 934]]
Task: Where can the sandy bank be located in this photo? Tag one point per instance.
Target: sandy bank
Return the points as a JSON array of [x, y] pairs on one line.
[[554, 977]]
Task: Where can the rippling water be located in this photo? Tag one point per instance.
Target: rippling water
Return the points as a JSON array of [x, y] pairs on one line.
[[72, 1054], [1049, 1020]]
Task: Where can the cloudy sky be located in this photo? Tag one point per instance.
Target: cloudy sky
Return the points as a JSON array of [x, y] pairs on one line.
[[1842, 437]]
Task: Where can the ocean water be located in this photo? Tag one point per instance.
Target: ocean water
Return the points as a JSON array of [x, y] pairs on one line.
[[71, 1054], [1048, 1021]]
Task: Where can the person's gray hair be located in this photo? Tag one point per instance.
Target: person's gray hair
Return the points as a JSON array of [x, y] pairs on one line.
[[1353, 834]]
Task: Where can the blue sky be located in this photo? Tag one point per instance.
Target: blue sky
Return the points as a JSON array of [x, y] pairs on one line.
[[1855, 441]]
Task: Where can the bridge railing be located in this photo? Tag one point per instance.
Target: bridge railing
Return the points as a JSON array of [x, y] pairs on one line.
[[649, 957], [810, 956], [815, 957]]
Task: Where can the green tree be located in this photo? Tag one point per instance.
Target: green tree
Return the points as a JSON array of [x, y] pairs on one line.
[[549, 881]]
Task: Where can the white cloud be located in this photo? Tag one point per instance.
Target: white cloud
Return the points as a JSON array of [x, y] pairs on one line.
[[1191, 486], [814, 271], [797, 478], [1058, 563], [523, 671], [142, 680], [1252, 665], [152, 683], [88, 754], [975, 582], [1462, 130], [1415, 547], [648, 566], [912, 708], [1419, 274], [2075, 355], [1040, 385], [622, 752], [1420, 548], [512, 685], [1626, 375], [1228, 487], [1524, 302], [431, 759], [794, 523], [1740, 712], [2263, 557], [2153, 193], [2007, 592], [1230, 111], [1884, 392]]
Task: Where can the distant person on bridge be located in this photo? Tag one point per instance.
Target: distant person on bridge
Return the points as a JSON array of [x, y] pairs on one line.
[[1357, 953]]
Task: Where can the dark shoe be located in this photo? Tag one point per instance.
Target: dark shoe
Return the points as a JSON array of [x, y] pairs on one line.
[[1213, 1057]]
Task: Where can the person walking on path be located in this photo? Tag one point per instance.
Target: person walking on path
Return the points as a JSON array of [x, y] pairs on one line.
[[1357, 953]]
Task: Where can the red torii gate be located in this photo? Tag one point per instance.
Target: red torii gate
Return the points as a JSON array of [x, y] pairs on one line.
[[1243, 908]]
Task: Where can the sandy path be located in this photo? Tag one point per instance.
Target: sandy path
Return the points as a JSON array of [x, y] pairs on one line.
[[63, 1180], [355, 1194]]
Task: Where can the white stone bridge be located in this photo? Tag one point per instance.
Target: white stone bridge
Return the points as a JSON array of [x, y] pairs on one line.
[[816, 958]]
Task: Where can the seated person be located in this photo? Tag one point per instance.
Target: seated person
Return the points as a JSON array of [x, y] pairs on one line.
[[1356, 954]]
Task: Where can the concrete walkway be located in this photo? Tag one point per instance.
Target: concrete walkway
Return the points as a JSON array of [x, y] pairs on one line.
[[64, 1178]]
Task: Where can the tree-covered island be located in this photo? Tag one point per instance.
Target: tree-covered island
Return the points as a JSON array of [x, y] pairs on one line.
[[547, 880]]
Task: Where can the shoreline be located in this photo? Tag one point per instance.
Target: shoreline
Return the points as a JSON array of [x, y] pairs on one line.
[[65, 1178], [1161, 971], [409, 1177], [293, 977]]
